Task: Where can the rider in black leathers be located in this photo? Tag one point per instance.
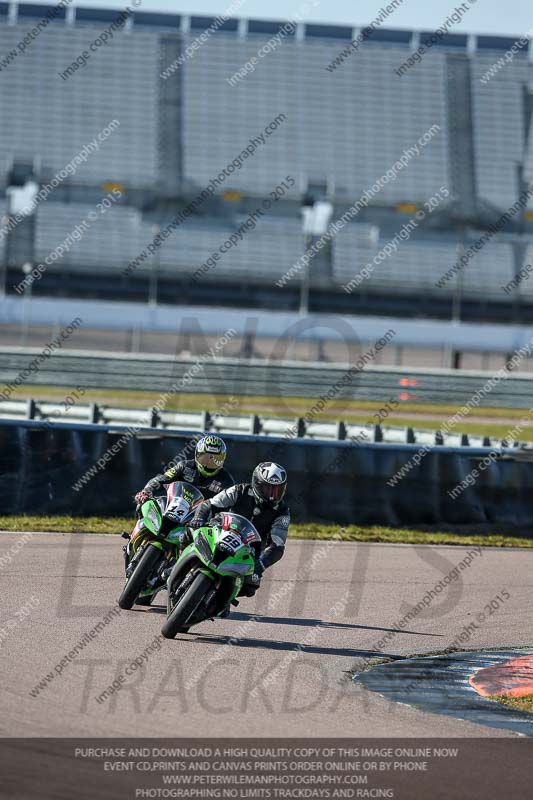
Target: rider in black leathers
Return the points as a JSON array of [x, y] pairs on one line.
[[206, 471]]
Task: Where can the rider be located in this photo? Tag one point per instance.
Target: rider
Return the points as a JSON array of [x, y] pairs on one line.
[[206, 471], [260, 501]]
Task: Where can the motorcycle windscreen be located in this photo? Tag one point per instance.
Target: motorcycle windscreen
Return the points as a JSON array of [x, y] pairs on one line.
[[182, 499], [238, 526]]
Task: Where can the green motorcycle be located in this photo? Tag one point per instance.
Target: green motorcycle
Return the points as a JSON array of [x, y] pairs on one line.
[[210, 572], [154, 543]]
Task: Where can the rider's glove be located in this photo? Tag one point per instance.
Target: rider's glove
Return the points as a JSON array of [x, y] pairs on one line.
[[186, 537], [142, 497], [255, 579]]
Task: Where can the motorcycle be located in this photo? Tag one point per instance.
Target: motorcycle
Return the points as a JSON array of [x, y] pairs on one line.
[[154, 543], [210, 572]]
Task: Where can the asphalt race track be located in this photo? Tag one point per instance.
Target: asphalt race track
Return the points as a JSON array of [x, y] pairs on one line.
[[281, 665]]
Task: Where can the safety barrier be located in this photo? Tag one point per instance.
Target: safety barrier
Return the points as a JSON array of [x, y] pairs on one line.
[[235, 423], [65, 468]]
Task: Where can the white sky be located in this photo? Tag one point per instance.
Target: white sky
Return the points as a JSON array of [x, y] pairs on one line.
[[505, 17]]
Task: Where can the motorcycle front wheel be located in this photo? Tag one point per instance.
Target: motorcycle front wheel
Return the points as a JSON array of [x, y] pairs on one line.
[[186, 606], [142, 572]]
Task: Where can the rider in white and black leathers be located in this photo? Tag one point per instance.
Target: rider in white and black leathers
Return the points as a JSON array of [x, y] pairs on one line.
[[260, 501]]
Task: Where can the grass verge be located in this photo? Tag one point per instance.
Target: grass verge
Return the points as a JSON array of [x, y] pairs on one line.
[[524, 703], [475, 535]]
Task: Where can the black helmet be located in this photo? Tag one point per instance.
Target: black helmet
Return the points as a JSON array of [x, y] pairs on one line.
[[269, 482]]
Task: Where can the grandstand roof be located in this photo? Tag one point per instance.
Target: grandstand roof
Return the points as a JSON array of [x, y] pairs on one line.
[[310, 31]]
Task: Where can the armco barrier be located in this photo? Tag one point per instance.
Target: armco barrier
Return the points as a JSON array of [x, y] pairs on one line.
[[338, 482], [234, 423]]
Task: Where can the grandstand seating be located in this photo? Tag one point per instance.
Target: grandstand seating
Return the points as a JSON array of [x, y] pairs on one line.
[[117, 237], [418, 265], [499, 129], [344, 128], [50, 120], [350, 127], [108, 244], [263, 255]]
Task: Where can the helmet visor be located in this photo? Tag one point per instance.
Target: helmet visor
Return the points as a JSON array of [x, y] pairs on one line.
[[211, 460], [270, 492]]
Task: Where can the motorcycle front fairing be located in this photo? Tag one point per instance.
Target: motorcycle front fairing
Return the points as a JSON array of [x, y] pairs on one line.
[[164, 518], [224, 549]]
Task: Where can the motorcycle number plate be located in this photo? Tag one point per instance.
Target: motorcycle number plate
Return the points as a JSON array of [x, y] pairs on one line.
[[178, 509], [232, 542], [175, 516]]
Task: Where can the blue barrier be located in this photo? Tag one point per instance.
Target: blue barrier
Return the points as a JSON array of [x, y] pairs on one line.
[[79, 469]]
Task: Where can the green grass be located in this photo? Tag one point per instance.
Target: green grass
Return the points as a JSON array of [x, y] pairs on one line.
[[524, 703], [66, 524], [467, 536], [355, 411]]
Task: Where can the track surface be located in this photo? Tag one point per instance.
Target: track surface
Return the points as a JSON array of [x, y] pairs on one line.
[[308, 645]]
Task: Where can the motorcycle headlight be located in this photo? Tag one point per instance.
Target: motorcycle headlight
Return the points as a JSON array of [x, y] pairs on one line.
[[202, 545], [235, 569]]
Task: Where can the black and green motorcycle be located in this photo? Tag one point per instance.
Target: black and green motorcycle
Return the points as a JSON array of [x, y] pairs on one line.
[[210, 572], [154, 543]]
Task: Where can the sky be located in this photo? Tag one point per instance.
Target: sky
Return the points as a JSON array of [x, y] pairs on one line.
[[505, 17]]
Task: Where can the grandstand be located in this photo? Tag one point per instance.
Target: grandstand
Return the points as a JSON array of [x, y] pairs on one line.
[[160, 136]]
